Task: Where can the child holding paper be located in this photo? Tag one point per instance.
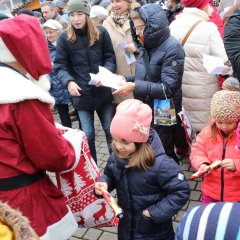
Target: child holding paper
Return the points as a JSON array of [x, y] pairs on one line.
[[81, 50], [216, 142], [151, 187]]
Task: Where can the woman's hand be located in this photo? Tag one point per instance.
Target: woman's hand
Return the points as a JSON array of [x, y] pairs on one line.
[[99, 186], [130, 48], [146, 213], [229, 164], [73, 89], [125, 89]]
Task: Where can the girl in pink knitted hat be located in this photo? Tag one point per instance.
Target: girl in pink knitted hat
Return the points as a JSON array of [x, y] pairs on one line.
[[216, 142], [151, 187]]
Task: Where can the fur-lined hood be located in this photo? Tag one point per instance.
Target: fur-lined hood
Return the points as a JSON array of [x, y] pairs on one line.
[[17, 223], [16, 88]]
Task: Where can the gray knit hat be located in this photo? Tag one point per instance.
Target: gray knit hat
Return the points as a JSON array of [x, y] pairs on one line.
[[78, 6]]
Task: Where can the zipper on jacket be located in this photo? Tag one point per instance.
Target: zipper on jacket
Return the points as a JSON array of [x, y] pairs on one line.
[[222, 171]]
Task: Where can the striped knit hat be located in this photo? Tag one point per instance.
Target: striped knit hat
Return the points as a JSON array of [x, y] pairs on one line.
[[213, 221]]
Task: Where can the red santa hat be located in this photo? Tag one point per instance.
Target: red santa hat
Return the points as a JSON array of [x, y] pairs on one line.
[[22, 40]]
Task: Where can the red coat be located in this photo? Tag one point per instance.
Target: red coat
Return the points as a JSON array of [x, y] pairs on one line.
[[216, 19], [29, 142], [205, 150]]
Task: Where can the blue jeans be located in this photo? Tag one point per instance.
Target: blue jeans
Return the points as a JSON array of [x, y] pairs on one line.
[[87, 122]]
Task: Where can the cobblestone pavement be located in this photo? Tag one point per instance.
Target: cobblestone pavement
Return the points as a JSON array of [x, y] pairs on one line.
[[109, 233]]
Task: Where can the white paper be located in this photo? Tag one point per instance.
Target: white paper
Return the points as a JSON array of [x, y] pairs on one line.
[[107, 78], [94, 79], [130, 58], [222, 14], [215, 65], [229, 3]]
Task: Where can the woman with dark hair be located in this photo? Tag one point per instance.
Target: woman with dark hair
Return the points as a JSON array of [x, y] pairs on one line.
[[80, 51]]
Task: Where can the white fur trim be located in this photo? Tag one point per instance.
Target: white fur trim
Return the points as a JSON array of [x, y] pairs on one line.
[[75, 138], [43, 81], [16, 88], [5, 54], [61, 230]]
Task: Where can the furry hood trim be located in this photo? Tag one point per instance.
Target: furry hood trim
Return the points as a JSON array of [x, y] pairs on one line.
[[17, 222]]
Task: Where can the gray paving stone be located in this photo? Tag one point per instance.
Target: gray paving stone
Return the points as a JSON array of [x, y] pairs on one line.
[[104, 150], [198, 186], [195, 195], [179, 216], [100, 155], [80, 232], [110, 229], [103, 145], [76, 238], [192, 185], [185, 166], [93, 234], [193, 204], [108, 236]]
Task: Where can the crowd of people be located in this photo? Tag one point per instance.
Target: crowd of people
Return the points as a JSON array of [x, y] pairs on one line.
[[156, 50]]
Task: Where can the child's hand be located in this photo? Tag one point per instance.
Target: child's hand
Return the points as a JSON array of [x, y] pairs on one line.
[[146, 213], [229, 164], [204, 167], [99, 186]]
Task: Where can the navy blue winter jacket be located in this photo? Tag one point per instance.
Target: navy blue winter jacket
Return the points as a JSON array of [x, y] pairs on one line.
[[57, 90], [74, 61], [162, 189], [166, 59], [232, 41]]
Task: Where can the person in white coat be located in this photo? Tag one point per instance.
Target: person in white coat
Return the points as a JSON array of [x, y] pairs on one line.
[[198, 85]]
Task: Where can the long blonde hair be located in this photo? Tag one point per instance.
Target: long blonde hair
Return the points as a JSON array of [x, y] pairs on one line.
[[142, 158], [92, 30]]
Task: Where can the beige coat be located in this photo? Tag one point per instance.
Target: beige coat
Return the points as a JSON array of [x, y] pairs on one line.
[[120, 34], [198, 85]]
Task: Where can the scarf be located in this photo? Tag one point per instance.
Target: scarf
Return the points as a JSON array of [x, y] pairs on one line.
[[120, 19]]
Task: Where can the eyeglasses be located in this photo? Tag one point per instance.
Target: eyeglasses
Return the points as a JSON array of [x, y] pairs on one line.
[[139, 28], [50, 32]]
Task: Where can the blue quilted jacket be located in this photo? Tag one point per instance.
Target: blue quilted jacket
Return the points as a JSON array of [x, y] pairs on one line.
[[57, 90]]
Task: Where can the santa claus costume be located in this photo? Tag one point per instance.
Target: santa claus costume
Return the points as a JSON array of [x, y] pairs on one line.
[[30, 143]]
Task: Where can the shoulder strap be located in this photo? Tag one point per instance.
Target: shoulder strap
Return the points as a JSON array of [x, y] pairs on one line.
[[147, 65], [189, 32], [7, 66]]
